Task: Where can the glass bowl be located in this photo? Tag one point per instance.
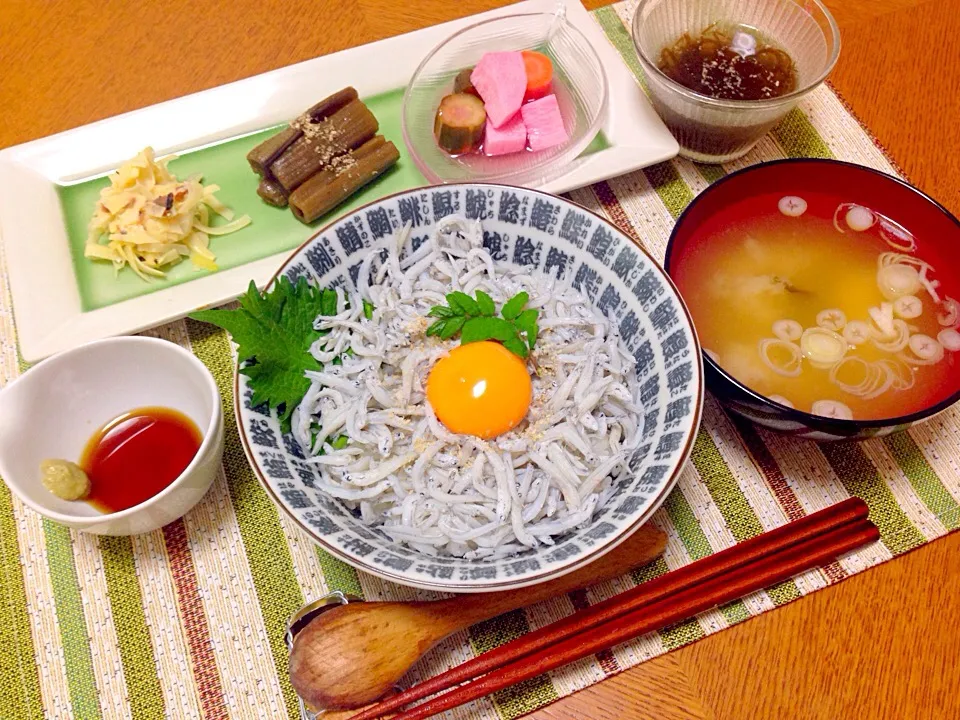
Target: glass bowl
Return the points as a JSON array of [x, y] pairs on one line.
[[580, 85], [716, 131]]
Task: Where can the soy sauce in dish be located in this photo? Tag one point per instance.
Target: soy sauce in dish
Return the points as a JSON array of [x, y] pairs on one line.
[[136, 455], [730, 64]]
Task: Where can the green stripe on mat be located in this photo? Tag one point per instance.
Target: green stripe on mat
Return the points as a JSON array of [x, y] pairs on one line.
[[784, 592], [859, 476], [735, 612], [710, 173], [726, 493], [493, 633], [130, 622], [685, 522], [923, 478], [338, 575], [682, 634], [698, 546], [19, 677], [620, 38], [524, 697], [74, 634], [650, 571], [689, 630], [799, 138], [737, 512], [268, 554], [673, 192]]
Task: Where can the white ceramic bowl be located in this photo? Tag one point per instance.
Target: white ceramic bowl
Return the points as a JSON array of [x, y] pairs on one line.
[[541, 234], [52, 410]]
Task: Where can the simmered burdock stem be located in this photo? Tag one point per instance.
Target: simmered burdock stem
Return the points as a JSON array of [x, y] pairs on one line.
[[270, 149], [459, 123], [344, 176], [347, 129], [272, 191], [327, 107]]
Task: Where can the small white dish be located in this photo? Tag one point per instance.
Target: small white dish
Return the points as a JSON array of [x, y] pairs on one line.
[[31, 214], [52, 410]]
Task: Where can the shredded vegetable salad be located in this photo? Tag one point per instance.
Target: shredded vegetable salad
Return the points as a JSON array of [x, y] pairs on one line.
[[149, 220]]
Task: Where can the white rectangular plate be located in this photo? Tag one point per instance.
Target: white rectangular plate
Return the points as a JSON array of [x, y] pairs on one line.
[[46, 300]]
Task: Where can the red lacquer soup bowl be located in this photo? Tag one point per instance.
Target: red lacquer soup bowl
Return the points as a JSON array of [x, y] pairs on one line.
[[843, 201]]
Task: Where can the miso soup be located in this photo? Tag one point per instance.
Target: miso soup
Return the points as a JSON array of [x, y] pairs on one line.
[[825, 306]]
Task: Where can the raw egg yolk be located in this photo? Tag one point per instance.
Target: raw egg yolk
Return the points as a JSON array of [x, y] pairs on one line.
[[480, 389]]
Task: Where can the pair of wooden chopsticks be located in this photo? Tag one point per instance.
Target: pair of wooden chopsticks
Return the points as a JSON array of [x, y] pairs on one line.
[[715, 580]]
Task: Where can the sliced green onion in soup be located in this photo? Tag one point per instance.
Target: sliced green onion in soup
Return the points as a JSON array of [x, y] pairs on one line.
[[949, 314], [950, 339], [896, 342], [908, 307], [832, 409], [856, 332], [926, 348], [929, 284], [792, 206], [823, 348], [898, 280], [781, 400], [856, 217], [876, 378], [786, 329], [832, 319], [853, 375], [781, 356], [896, 235], [903, 375]]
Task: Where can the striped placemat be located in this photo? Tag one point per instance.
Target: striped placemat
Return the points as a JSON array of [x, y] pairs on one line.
[[187, 621]]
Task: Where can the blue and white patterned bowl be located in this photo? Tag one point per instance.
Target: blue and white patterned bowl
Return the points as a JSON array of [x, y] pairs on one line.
[[542, 233]]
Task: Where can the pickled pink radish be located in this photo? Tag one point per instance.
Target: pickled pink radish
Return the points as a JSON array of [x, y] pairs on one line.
[[501, 80], [544, 123], [510, 137]]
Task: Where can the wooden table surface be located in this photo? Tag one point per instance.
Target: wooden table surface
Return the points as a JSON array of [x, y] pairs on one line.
[[883, 644]]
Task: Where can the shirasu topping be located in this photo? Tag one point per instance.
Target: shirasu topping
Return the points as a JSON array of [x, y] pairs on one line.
[[447, 494]]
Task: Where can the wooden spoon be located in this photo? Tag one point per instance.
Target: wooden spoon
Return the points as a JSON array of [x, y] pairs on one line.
[[355, 654]]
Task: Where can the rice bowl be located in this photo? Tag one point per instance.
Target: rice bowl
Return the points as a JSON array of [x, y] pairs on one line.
[[615, 400]]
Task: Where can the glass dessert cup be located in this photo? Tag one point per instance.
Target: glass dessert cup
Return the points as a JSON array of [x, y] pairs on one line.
[[712, 130]]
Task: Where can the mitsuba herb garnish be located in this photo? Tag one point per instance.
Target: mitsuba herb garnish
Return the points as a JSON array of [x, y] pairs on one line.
[[475, 319]]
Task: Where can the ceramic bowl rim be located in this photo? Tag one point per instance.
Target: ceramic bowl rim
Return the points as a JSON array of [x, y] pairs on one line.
[[842, 427], [544, 575], [212, 435]]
